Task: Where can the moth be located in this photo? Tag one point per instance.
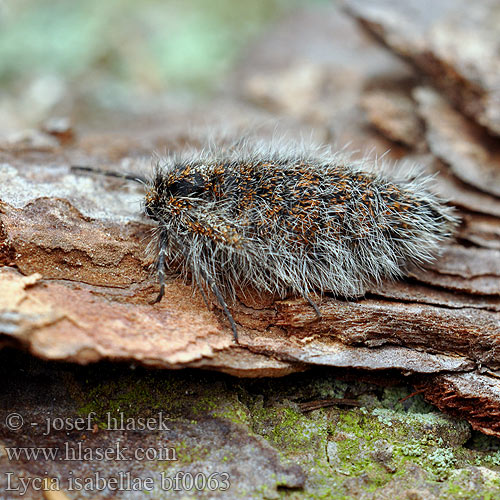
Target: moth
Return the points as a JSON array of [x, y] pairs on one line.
[[288, 220]]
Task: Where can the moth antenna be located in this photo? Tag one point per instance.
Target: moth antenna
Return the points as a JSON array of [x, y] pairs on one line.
[[109, 173]]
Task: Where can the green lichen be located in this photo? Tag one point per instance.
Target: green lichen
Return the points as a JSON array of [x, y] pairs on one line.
[[233, 410], [412, 450], [442, 459], [494, 459], [187, 453], [288, 429], [129, 396], [342, 450]]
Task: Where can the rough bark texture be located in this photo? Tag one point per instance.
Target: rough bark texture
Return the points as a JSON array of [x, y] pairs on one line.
[[75, 284]]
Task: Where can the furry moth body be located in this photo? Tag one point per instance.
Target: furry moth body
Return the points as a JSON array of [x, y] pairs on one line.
[[289, 221]]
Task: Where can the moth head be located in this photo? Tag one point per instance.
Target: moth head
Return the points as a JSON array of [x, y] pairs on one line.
[[152, 204], [188, 183], [172, 193]]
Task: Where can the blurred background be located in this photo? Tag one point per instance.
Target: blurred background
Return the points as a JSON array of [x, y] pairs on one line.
[[85, 58]]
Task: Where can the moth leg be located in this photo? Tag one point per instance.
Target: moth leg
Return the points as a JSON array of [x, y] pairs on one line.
[[222, 232], [215, 289], [200, 288], [313, 305], [222, 302], [161, 266]]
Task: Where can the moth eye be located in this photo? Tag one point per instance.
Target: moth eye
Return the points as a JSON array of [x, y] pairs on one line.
[[184, 188]]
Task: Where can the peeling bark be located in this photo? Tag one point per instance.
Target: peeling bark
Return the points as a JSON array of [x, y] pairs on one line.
[[75, 283]]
